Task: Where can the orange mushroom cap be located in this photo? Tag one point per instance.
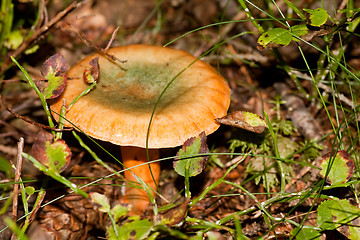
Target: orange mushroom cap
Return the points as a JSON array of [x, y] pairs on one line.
[[119, 108]]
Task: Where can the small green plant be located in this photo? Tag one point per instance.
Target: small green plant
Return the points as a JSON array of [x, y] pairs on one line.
[[132, 228]]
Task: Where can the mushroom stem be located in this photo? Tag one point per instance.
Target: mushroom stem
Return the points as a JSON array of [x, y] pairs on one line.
[[137, 197]]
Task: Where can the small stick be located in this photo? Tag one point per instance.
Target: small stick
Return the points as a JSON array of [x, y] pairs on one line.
[[17, 178], [112, 38], [91, 44], [36, 123]]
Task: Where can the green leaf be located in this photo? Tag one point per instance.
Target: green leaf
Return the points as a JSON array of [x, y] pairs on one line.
[[316, 17], [185, 159], [274, 37], [58, 153], [32, 50], [5, 166], [334, 213], [299, 30], [305, 234], [15, 38], [100, 200], [29, 190], [15, 228], [119, 211], [341, 167], [137, 229]]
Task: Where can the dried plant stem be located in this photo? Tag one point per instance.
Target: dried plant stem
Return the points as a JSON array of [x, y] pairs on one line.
[[17, 178], [112, 38]]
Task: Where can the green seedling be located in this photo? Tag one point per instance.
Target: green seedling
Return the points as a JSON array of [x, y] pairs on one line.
[[187, 164], [132, 229], [282, 37]]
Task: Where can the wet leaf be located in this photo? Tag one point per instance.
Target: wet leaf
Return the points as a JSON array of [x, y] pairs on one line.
[[91, 74], [185, 159], [55, 155], [54, 71], [245, 120], [338, 214], [137, 229], [341, 167], [100, 200], [316, 17]]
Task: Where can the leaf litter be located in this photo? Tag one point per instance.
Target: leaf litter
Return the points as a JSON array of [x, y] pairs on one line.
[[224, 199]]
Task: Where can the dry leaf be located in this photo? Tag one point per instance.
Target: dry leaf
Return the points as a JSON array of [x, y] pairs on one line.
[[245, 120]]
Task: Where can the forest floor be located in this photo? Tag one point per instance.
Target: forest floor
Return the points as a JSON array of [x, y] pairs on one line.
[[308, 90]]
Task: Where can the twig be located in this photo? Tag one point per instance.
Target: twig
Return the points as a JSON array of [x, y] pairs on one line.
[[17, 178], [112, 38], [37, 124], [91, 44], [37, 34]]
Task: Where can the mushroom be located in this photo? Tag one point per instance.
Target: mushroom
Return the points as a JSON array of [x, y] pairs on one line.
[[119, 108]]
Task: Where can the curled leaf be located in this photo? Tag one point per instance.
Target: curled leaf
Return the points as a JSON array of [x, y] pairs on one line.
[[185, 160], [54, 71], [245, 120], [341, 167], [91, 74]]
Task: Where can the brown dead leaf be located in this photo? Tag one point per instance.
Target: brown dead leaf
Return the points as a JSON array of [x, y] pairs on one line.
[[175, 215], [245, 120]]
